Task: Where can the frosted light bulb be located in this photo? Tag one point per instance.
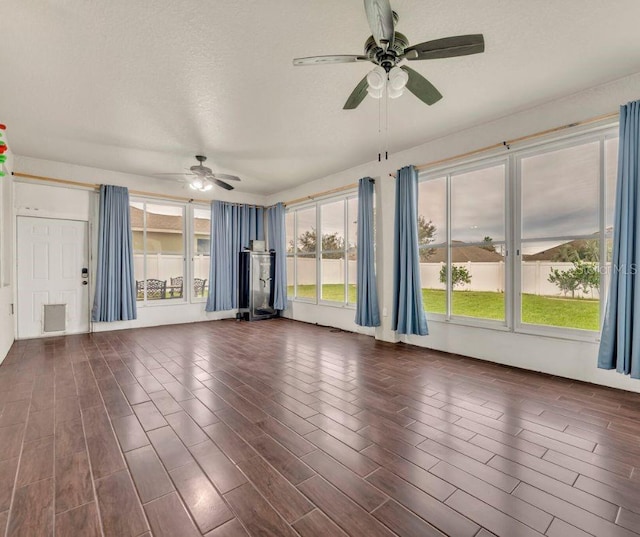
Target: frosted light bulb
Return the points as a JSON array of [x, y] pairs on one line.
[[376, 93], [197, 183], [398, 78], [376, 78], [394, 93], [207, 187]]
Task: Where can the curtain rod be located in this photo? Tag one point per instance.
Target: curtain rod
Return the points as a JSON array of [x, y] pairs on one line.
[[311, 197], [93, 186], [508, 143]]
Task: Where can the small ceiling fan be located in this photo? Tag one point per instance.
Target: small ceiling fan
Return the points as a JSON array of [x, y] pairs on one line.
[[202, 178], [387, 49]]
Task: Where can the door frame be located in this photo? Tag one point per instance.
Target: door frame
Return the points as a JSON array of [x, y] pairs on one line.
[[89, 245]]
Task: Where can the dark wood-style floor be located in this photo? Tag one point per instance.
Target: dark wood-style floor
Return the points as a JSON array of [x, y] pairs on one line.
[[278, 428]]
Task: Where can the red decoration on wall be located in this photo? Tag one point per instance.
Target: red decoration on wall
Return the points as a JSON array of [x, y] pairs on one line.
[[3, 127]]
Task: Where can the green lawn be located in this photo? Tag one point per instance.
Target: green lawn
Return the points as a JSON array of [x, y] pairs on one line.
[[542, 310], [551, 311], [333, 292]]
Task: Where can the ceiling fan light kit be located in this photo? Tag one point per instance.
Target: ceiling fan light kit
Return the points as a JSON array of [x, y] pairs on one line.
[[203, 179], [388, 49]]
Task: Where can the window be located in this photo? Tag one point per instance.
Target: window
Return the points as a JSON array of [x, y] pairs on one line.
[[461, 236], [201, 252], [559, 226], [159, 251], [323, 270], [560, 237]]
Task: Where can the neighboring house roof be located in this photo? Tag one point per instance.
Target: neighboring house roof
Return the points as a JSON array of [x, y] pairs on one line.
[[553, 254], [462, 254], [166, 222]]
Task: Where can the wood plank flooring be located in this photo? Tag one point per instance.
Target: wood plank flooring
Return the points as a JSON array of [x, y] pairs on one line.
[[278, 428]]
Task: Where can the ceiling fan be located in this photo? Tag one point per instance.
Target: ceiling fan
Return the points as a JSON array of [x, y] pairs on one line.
[[202, 178], [387, 49]]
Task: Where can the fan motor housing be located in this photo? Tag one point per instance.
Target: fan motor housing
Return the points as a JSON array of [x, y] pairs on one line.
[[387, 59]]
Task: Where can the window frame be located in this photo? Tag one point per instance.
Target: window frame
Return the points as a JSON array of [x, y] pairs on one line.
[[193, 252], [448, 174], [513, 230], [344, 197], [186, 221]]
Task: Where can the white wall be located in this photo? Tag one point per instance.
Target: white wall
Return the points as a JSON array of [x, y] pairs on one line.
[[568, 358], [6, 256], [36, 198]]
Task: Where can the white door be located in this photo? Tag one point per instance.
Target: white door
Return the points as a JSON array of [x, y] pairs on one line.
[[51, 257]]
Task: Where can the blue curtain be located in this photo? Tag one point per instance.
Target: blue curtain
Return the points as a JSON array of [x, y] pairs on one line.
[[232, 227], [408, 313], [115, 298], [367, 313], [620, 342], [278, 243]]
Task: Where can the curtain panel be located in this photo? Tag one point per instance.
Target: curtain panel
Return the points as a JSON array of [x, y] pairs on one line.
[[408, 312], [278, 243], [367, 310], [620, 341], [115, 296], [233, 226]]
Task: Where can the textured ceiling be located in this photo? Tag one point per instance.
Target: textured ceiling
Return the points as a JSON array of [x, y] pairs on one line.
[[142, 86]]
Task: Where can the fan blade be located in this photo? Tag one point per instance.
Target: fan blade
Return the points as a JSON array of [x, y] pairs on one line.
[[177, 173], [447, 47], [380, 19], [336, 58], [225, 177], [357, 95], [222, 184], [421, 87]]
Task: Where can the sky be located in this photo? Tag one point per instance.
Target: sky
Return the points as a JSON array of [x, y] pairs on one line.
[[560, 192]]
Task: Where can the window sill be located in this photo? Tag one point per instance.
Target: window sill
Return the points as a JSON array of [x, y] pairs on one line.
[[567, 334]]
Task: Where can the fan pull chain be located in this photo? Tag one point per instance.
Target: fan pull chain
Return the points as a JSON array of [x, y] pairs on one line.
[[386, 122], [380, 130]]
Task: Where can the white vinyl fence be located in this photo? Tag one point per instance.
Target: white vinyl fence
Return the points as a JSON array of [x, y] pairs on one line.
[[484, 276], [165, 266]]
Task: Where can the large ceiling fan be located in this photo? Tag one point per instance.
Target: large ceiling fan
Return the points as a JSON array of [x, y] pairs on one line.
[[387, 49], [202, 178]]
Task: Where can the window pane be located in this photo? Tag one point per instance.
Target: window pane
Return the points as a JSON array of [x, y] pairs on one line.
[[477, 206], [560, 192], [306, 229], [332, 226], [289, 220], [306, 276], [164, 252], [434, 294], [289, 224], [611, 174], [477, 280], [333, 276], [137, 231], [560, 283], [201, 251], [432, 213], [352, 252], [306, 253]]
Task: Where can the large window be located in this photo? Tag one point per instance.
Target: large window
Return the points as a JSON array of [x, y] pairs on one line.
[[461, 235], [323, 270], [522, 242], [159, 251]]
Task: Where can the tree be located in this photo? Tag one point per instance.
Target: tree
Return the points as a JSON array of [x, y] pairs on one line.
[[566, 254], [426, 231], [459, 275], [330, 241], [488, 244], [589, 250], [583, 275]]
